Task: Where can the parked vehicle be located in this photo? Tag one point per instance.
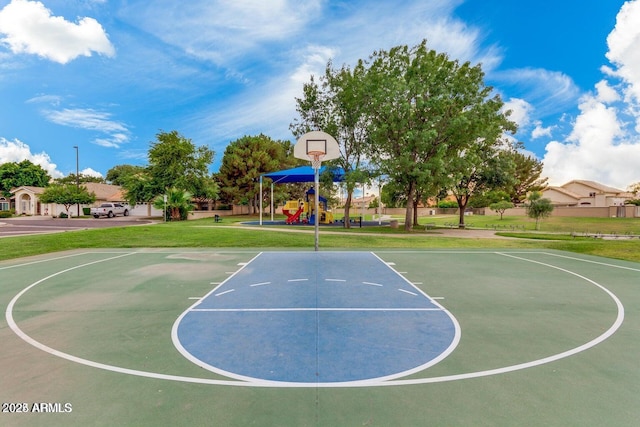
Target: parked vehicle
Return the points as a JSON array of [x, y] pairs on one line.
[[110, 210]]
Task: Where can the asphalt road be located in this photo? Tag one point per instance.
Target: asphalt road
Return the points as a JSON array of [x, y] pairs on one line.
[[40, 225]]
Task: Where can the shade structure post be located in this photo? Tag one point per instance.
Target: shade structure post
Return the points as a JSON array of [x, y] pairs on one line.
[[271, 202], [260, 199]]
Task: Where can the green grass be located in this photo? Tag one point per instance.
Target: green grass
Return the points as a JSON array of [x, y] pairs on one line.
[[207, 234], [550, 225]]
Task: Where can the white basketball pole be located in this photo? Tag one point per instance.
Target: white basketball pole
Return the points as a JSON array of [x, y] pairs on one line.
[[316, 146], [316, 176]]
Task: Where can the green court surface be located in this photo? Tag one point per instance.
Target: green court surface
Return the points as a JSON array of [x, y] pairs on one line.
[[546, 338]]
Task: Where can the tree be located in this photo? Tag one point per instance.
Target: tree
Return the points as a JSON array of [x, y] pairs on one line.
[[635, 189], [424, 110], [205, 190], [489, 197], [243, 162], [337, 106], [71, 179], [25, 173], [174, 161], [119, 174], [392, 195], [137, 182], [527, 177], [501, 207], [140, 187], [482, 167], [178, 204], [67, 195], [538, 207]]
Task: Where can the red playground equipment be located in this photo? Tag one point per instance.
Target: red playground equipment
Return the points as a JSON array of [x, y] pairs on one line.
[[299, 211], [293, 209]]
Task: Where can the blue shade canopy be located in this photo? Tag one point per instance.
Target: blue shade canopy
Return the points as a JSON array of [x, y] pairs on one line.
[[301, 174]]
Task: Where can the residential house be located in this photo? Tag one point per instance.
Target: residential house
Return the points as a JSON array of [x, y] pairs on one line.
[[583, 193], [27, 202]]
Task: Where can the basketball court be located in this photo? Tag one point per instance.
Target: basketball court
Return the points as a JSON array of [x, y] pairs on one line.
[[224, 337]]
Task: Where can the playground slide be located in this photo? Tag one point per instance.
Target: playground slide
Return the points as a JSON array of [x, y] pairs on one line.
[[291, 218]]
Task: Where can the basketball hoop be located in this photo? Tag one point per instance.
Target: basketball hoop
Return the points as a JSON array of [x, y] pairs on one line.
[[316, 158], [316, 146]]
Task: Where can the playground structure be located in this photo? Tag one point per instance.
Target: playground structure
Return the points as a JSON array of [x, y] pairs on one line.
[[303, 211]]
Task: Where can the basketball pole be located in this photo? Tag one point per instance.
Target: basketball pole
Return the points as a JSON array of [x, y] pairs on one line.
[[316, 146], [316, 177]]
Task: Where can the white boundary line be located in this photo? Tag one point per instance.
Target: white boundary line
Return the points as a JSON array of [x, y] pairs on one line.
[[553, 358], [249, 310], [54, 259], [591, 261], [366, 383]]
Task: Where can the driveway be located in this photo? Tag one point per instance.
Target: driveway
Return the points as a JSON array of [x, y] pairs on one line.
[[23, 226]]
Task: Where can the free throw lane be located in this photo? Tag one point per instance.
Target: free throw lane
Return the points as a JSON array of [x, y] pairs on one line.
[[316, 318]]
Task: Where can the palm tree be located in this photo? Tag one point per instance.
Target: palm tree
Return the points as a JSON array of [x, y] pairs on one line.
[[178, 203]]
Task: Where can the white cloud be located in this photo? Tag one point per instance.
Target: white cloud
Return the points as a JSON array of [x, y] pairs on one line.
[[623, 44], [16, 151], [549, 91], [520, 111], [45, 99], [267, 109], [314, 35], [29, 27], [606, 93], [91, 172], [540, 131], [603, 146], [595, 149], [89, 119], [221, 30]]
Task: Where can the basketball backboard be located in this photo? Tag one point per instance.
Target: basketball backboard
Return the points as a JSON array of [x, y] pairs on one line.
[[316, 144]]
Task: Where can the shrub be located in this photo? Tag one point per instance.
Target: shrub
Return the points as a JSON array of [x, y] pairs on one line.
[[444, 204], [5, 214]]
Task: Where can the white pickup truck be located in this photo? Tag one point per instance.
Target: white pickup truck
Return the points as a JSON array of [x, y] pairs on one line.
[[110, 210]]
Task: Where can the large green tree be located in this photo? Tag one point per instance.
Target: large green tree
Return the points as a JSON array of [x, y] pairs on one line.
[[82, 178], [243, 162], [337, 105], [482, 167], [137, 182], [527, 177], [24, 173], [175, 161], [119, 174], [67, 195], [140, 187], [425, 110]]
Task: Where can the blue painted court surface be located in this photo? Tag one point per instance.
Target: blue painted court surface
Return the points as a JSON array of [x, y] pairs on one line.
[[316, 317]]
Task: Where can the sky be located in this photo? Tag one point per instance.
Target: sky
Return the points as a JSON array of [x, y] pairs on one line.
[[106, 76]]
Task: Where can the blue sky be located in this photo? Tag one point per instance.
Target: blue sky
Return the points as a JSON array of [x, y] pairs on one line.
[[108, 75]]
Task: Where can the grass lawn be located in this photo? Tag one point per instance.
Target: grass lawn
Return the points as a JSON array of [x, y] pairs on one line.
[[550, 225], [556, 234]]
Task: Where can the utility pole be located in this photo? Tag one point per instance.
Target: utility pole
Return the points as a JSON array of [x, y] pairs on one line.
[[77, 177]]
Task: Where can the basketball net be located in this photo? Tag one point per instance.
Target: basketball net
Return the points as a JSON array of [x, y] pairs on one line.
[[316, 158]]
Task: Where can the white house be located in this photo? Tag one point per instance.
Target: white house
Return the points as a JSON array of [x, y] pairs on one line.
[[586, 194], [27, 201]]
